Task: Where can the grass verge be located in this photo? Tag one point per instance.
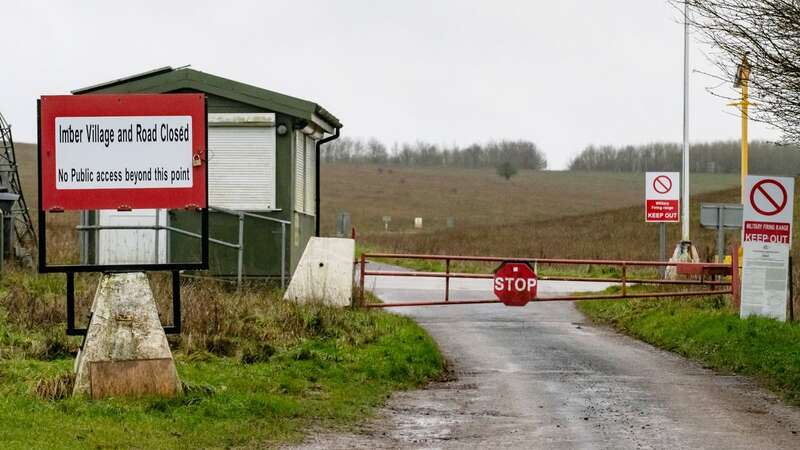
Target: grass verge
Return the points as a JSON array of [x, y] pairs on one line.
[[258, 372], [708, 330]]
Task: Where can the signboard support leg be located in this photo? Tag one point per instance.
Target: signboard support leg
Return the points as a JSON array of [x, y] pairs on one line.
[[155, 238], [662, 244], [791, 291], [240, 254], [736, 288], [70, 303], [720, 236], [2, 244]]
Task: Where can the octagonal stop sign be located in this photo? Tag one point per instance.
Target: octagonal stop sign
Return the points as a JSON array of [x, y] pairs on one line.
[[515, 283]]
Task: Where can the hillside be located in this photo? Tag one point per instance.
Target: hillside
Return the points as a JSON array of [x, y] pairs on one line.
[[477, 197]]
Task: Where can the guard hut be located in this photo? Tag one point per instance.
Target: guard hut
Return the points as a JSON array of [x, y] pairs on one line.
[[263, 192]]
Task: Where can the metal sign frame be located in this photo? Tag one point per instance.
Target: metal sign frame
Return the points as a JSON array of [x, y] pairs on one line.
[[715, 216], [71, 269], [719, 211]]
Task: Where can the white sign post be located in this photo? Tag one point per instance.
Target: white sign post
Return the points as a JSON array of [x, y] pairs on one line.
[[766, 241]]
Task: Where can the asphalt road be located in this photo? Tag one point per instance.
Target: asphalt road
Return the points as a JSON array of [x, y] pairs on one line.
[[543, 377]]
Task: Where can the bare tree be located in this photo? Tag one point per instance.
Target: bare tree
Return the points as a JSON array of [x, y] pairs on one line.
[[376, 151], [768, 33]]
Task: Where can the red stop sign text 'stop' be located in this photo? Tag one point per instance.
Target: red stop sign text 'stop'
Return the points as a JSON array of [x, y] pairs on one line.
[[515, 283]]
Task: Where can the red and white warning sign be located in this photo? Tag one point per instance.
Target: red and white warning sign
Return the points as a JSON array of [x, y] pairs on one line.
[[122, 151], [662, 197], [768, 210], [515, 283], [766, 241]]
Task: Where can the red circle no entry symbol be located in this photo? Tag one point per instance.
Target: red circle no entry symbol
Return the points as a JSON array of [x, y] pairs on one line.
[[662, 184], [766, 199]]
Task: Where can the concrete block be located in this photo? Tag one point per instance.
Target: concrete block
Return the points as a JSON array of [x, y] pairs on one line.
[[126, 353], [324, 273]]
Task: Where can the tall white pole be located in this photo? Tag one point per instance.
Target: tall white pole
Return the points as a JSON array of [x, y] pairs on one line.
[[685, 152]]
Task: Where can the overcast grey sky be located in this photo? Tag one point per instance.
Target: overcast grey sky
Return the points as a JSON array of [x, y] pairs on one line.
[[563, 74]]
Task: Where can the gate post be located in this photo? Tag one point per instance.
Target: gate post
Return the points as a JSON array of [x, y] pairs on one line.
[[624, 280], [662, 246], [447, 280], [363, 263]]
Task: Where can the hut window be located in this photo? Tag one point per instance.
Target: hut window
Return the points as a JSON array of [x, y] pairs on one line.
[[311, 166], [304, 183]]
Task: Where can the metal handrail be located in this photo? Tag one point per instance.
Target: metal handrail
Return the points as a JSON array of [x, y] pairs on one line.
[[239, 247], [247, 214], [156, 228]]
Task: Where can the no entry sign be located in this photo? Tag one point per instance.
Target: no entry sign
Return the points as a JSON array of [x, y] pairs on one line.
[[662, 197], [766, 241], [122, 151], [768, 210], [768, 197], [515, 283]]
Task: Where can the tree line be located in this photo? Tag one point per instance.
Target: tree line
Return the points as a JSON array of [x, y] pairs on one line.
[[521, 154], [712, 157]]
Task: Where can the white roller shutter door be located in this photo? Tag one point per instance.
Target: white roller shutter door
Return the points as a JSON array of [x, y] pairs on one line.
[[241, 167]]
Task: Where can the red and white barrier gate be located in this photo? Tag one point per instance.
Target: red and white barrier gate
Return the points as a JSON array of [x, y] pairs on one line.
[[515, 281]]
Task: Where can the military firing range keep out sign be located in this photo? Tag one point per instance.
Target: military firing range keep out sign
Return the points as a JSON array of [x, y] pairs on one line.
[[766, 242], [123, 151], [662, 197]]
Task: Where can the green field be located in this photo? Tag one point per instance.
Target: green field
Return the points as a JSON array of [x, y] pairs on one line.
[[477, 197], [535, 214]]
